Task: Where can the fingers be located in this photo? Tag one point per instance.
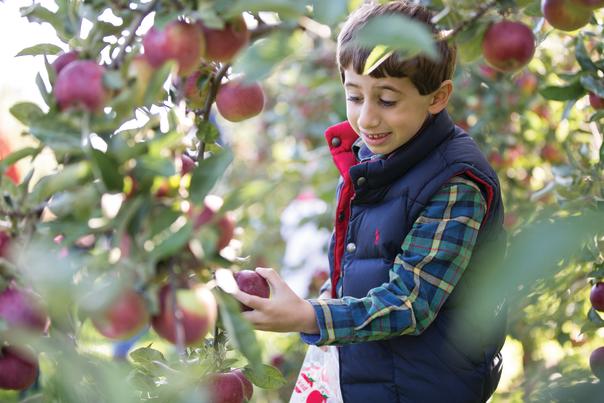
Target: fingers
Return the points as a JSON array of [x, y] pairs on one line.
[[252, 301]]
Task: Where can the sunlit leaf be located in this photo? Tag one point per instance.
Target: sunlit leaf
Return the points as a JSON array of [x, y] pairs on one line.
[[207, 173], [40, 49]]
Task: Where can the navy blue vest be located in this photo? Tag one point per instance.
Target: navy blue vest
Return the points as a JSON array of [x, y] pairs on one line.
[[456, 359]]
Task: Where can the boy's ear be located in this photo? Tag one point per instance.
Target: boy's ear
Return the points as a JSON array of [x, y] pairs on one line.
[[440, 97]]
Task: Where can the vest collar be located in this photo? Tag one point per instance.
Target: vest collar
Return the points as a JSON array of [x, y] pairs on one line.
[[378, 173]]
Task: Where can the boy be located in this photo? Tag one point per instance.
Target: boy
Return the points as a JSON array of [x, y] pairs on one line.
[[418, 206]]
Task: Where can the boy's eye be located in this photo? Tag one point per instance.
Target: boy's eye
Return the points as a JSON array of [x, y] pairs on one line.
[[387, 103], [352, 98]]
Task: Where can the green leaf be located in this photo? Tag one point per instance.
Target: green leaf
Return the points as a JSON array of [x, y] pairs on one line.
[[155, 86], [258, 60], [162, 219], [207, 173], [40, 49], [566, 93], [582, 57], [145, 356], [593, 84], [269, 378], [78, 202], [207, 131], [26, 112], [17, 155], [46, 96], [329, 12], [57, 133], [108, 169], [597, 116], [113, 80], [469, 41], [149, 165], [595, 318], [241, 332], [285, 8], [71, 176], [406, 37], [377, 56], [171, 242]]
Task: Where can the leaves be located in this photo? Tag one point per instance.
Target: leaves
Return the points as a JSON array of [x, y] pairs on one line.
[[268, 378], [564, 93], [40, 49], [285, 8], [207, 173], [26, 112], [329, 12]]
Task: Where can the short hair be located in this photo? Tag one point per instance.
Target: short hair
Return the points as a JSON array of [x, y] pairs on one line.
[[426, 74]]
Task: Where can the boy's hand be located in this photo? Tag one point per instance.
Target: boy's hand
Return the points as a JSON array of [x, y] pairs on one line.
[[284, 311]]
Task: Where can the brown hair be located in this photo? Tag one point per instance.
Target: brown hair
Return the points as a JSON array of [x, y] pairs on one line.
[[424, 73]]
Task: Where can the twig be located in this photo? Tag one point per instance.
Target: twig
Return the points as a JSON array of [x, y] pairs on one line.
[[207, 108], [136, 22], [464, 24]]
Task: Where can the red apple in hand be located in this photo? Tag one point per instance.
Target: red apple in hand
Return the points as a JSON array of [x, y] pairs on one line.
[[564, 15], [21, 309], [596, 296], [237, 101], [595, 101], [252, 283], [196, 307], [223, 44], [596, 362], [180, 41], [124, 317], [80, 83], [17, 371], [508, 45]]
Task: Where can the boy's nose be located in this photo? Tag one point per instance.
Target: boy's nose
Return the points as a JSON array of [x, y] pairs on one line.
[[368, 118]]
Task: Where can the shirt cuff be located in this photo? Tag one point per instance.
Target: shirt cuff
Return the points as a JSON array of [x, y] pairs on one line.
[[317, 339]]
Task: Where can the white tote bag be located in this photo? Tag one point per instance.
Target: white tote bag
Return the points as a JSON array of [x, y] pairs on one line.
[[319, 377]]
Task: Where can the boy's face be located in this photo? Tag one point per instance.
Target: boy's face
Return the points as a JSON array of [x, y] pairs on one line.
[[385, 112]]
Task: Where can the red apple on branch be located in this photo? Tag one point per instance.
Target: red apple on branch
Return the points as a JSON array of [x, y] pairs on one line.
[[195, 90], [124, 317], [590, 4], [80, 83], [248, 388], [596, 362], [237, 101], [552, 154], [226, 388], [21, 309], [223, 44], [17, 371], [196, 307], [252, 283], [596, 296], [595, 101], [187, 164], [64, 59], [180, 41], [508, 45], [564, 15]]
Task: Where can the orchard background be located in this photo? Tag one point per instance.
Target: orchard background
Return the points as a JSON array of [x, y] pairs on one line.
[[126, 193]]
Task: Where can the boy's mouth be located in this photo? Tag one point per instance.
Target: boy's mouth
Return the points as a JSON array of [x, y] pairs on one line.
[[375, 139], [376, 136]]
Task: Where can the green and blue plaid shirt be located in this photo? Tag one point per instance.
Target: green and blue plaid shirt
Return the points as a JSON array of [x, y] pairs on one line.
[[433, 257]]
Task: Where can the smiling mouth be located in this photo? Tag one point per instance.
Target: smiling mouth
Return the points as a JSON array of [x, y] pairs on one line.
[[376, 136]]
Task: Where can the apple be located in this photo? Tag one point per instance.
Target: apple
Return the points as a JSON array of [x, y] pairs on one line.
[[596, 296], [595, 101], [17, 372], [226, 387], [508, 45], [225, 224], [590, 4], [237, 101], [126, 316], [187, 164], [552, 154], [563, 15], [596, 362], [223, 44], [527, 83], [197, 309], [252, 283], [64, 59], [21, 309], [80, 83], [180, 41], [277, 360], [196, 90], [248, 388]]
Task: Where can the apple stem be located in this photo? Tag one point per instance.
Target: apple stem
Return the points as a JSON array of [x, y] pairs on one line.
[[464, 24], [136, 22]]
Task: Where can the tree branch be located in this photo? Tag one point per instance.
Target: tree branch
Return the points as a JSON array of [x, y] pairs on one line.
[[464, 24], [136, 22]]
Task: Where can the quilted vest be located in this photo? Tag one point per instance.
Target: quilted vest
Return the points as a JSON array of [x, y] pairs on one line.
[[457, 358]]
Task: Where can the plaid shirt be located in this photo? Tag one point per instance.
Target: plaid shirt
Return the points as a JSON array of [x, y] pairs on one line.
[[433, 257]]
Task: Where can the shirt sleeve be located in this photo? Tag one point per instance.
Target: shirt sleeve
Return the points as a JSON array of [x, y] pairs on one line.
[[433, 257]]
